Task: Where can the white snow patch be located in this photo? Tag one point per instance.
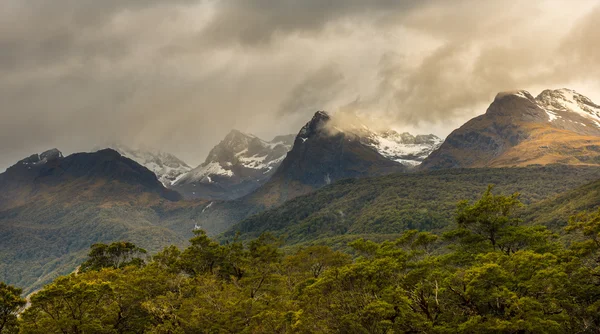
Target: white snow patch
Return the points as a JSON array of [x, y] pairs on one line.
[[412, 163], [551, 115]]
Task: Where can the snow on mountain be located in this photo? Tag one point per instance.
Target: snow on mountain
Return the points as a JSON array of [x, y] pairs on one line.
[[166, 166], [236, 166], [556, 127], [554, 101], [403, 147], [236, 152]]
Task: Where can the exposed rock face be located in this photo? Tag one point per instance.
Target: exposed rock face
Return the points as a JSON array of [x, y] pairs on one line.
[[558, 126], [235, 167]]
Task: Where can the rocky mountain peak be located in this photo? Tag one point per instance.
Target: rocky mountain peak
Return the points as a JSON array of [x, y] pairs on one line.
[[236, 140], [42, 158], [236, 166], [518, 105], [315, 125], [568, 100], [403, 148]]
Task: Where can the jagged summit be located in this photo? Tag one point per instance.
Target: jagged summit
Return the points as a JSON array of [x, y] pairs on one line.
[[315, 125], [41, 158], [236, 166], [403, 148]]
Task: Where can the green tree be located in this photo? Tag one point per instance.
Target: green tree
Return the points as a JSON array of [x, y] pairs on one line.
[[204, 255], [489, 217], [11, 304], [71, 305], [116, 255]]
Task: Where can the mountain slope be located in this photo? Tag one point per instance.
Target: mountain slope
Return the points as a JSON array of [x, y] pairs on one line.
[[555, 212], [322, 154], [326, 149], [166, 166], [394, 203], [53, 208], [558, 126], [235, 167]]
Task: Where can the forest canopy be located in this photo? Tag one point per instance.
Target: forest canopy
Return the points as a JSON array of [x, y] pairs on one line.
[[491, 274]]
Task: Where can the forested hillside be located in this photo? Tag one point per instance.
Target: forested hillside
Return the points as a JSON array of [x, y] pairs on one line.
[[52, 208], [489, 274], [396, 203]]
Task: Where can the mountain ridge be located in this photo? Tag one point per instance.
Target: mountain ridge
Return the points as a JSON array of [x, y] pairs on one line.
[[235, 167], [166, 166], [519, 130]]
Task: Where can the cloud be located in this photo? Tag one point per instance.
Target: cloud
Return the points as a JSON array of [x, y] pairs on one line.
[[178, 75], [259, 22]]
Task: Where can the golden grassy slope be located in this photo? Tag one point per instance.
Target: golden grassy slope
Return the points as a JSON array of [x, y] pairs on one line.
[[548, 145]]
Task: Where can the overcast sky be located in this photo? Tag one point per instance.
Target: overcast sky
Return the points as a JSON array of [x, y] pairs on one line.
[[179, 74]]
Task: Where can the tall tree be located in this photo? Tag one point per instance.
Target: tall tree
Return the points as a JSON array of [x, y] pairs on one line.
[[11, 304], [116, 255]]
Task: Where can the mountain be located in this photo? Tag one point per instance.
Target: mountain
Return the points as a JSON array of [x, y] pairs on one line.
[[53, 208], [326, 149], [35, 177], [166, 166], [235, 167], [558, 126], [403, 147], [391, 204]]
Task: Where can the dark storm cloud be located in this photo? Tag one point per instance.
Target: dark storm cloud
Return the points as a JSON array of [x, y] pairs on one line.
[[178, 75]]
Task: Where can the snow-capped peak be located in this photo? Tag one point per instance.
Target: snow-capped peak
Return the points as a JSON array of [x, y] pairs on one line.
[[166, 166], [239, 155], [404, 148], [562, 100]]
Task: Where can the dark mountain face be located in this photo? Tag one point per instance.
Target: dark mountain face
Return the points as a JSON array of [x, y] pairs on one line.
[[53, 208], [324, 151], [235, 167], [50, 174], [322, 155], [518, 130]]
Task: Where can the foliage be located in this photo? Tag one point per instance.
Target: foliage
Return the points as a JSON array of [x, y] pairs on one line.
[[396, 203], [490, 274], [49, 237], [11, 304], [116, 255]]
